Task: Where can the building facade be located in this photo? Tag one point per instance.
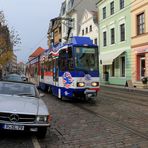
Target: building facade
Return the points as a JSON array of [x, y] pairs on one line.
[[89, 25], [115, 41], [13, 63], [74, 9], [139, 42]]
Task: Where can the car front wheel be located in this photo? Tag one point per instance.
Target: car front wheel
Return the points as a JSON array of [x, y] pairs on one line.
[[42, 132]]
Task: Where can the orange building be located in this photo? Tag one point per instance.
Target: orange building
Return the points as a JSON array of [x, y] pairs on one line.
[[33, 66], [139, 42]]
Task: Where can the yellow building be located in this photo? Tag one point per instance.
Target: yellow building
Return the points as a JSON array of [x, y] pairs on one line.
[[139, 42]]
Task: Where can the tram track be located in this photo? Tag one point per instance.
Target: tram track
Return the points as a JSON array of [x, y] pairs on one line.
[[119, 123], [114, 122], [129, 98]]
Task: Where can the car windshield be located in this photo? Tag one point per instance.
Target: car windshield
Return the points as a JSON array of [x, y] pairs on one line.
[[86, 58], [20, 89]]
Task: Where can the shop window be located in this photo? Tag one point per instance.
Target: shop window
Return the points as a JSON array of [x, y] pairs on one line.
[[122, 70], [113, 69]]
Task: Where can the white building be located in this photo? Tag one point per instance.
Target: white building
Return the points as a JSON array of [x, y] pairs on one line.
[[89, 25], [74, 9]]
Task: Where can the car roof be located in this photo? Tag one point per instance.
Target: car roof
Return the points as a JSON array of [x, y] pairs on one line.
[[13, 74], [23, 82]]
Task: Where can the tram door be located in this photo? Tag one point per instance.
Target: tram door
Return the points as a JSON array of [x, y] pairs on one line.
[[56, 72]]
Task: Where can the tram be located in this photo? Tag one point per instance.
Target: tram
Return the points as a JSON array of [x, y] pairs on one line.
[[71, 70]]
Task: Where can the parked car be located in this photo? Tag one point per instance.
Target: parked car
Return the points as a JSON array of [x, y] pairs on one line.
[[22, 109], [13, 77]]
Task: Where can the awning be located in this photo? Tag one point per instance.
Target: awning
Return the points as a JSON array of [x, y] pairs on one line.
[[107, 58]]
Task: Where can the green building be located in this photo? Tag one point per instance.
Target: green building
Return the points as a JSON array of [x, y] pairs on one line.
[[115, 41]]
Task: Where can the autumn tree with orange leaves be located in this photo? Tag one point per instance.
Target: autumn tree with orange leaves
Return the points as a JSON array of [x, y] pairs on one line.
[[8, 39]]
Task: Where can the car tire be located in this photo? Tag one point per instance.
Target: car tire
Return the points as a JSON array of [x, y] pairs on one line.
[[42, 132]]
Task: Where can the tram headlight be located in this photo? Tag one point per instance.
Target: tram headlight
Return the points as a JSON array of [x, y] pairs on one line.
[[80, 84], [94, 84]]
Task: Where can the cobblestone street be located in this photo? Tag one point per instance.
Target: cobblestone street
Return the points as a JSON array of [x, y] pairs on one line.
[[111, 123], [118, 119]]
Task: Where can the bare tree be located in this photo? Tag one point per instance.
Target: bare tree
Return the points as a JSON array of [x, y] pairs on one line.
[[2, 18], [14, 37]]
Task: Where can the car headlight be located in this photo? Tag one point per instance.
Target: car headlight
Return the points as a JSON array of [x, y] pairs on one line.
[[80, 84], [94, 84], [42, 118]]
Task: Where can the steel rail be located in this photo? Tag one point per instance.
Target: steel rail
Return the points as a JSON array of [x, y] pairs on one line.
[[114, 122]]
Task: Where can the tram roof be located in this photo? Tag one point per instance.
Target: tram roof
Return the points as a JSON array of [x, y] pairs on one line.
[[79, 41], [75, 41]]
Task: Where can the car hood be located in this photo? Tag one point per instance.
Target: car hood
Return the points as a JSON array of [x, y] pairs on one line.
[[19, 104]]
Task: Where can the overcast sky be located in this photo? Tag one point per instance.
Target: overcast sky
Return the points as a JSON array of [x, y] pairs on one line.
[[30, 18]]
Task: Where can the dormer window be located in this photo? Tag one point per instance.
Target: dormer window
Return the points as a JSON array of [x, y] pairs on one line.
[[70, 4], [63, 9]]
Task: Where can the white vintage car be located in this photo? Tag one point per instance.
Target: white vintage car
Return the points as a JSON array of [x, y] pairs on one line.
[[22, 109]]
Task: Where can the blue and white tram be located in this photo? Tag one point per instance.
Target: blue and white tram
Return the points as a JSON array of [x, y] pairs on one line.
[[72, 70]]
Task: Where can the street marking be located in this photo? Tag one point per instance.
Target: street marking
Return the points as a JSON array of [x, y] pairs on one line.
[[35, 142]]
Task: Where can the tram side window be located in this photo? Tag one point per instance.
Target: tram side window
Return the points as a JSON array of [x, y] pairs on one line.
[[42, 71], [62, 60], [46, 66], [70, 60]]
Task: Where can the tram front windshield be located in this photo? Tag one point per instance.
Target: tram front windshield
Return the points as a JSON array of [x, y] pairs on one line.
[[86, 58]]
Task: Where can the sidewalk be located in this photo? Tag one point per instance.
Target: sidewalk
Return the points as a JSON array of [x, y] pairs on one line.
[[124, 88]]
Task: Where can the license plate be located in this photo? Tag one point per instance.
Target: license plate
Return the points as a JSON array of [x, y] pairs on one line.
[[14, 127]]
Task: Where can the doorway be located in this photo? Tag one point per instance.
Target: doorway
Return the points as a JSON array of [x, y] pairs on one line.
[[142, 67]]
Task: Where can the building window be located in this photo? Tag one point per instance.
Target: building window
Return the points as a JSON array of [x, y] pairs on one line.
[[83, 32], [140, 23], [63, 10], [90, 28], [112, 35], [122, 59], [112, 8], [95, 41], [104, 38], [86, 30], [104, 12], [113, 69], [121, 4], [70, 4], [122, 32], [72, 24]]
